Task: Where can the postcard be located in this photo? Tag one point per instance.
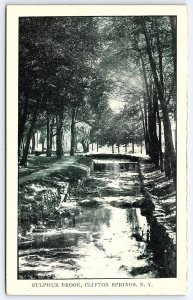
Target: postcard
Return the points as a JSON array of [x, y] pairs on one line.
[[96, 115]]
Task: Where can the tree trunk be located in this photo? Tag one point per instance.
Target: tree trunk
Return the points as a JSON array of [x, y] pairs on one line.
[[159, 48], [147, 138], [160, 138], [153, 131], [85, 146], [118, 148], [48, 149], [167, 166], [149, 128], [166, 121], [160, 57], [174, 43], [33, 142], [168, 140], [97, 146], [43, 146], [29, 136], [72, 147], [125, 148], [59, 136], [51, 134], [144, 128], [22, 121], [173, 21], [76, 144], [175, 131], [37, 145], [51, 142], [92, 147], [160, 146], [113, 151], [30, 131], [133, 147], [22, 147]]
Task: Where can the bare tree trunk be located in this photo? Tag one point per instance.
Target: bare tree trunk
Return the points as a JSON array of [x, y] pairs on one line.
[[166, 121], [51, 134], [149, 108], [159, 48], [33, 142], [153, 131], [160, 137], [85, 146], [125, 148], [22, 122], [113, 151], [28, 139], [72, 148], [37, 145], [144, 129], [43, 146], [167, 166], [168, 141], [174, 43], [51, 142], [59, 136], [118, 148], [133, 147], [48, 149], [76, 144], [173, 21], [147, 139]]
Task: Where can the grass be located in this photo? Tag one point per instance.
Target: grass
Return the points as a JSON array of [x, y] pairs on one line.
[[40, 183], [36, 163]]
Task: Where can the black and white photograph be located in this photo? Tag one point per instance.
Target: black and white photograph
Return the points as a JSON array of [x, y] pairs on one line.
[[97, 142]]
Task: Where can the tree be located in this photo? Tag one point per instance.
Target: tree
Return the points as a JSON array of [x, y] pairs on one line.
[[169, 147], [70, 67], [148, 44], [54, 57]]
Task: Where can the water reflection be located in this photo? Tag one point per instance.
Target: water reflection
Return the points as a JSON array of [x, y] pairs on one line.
[[105, 235], [94, 242]]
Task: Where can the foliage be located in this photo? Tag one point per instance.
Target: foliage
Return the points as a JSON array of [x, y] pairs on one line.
[[71, 69]]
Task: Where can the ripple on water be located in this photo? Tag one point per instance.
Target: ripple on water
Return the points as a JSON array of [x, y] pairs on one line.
[[102, 242]]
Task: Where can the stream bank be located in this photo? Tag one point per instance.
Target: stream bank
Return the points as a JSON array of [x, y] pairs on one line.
[[97, 211], [41, 191], [161, 192]]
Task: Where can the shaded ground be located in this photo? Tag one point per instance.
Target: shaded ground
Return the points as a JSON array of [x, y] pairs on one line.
[[42, 166], [68, 221], [162, 192], [87, 228], [36, 163], [41, 191]]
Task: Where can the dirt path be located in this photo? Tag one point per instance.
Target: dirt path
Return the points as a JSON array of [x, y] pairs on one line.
[[59, 165]]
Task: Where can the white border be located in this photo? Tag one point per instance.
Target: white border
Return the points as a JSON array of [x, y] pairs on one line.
[[182, 65]]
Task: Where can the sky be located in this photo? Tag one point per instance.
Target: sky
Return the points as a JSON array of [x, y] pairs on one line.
[[116, 104]]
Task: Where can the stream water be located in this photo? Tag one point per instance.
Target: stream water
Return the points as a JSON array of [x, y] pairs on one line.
[[100, 241]]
